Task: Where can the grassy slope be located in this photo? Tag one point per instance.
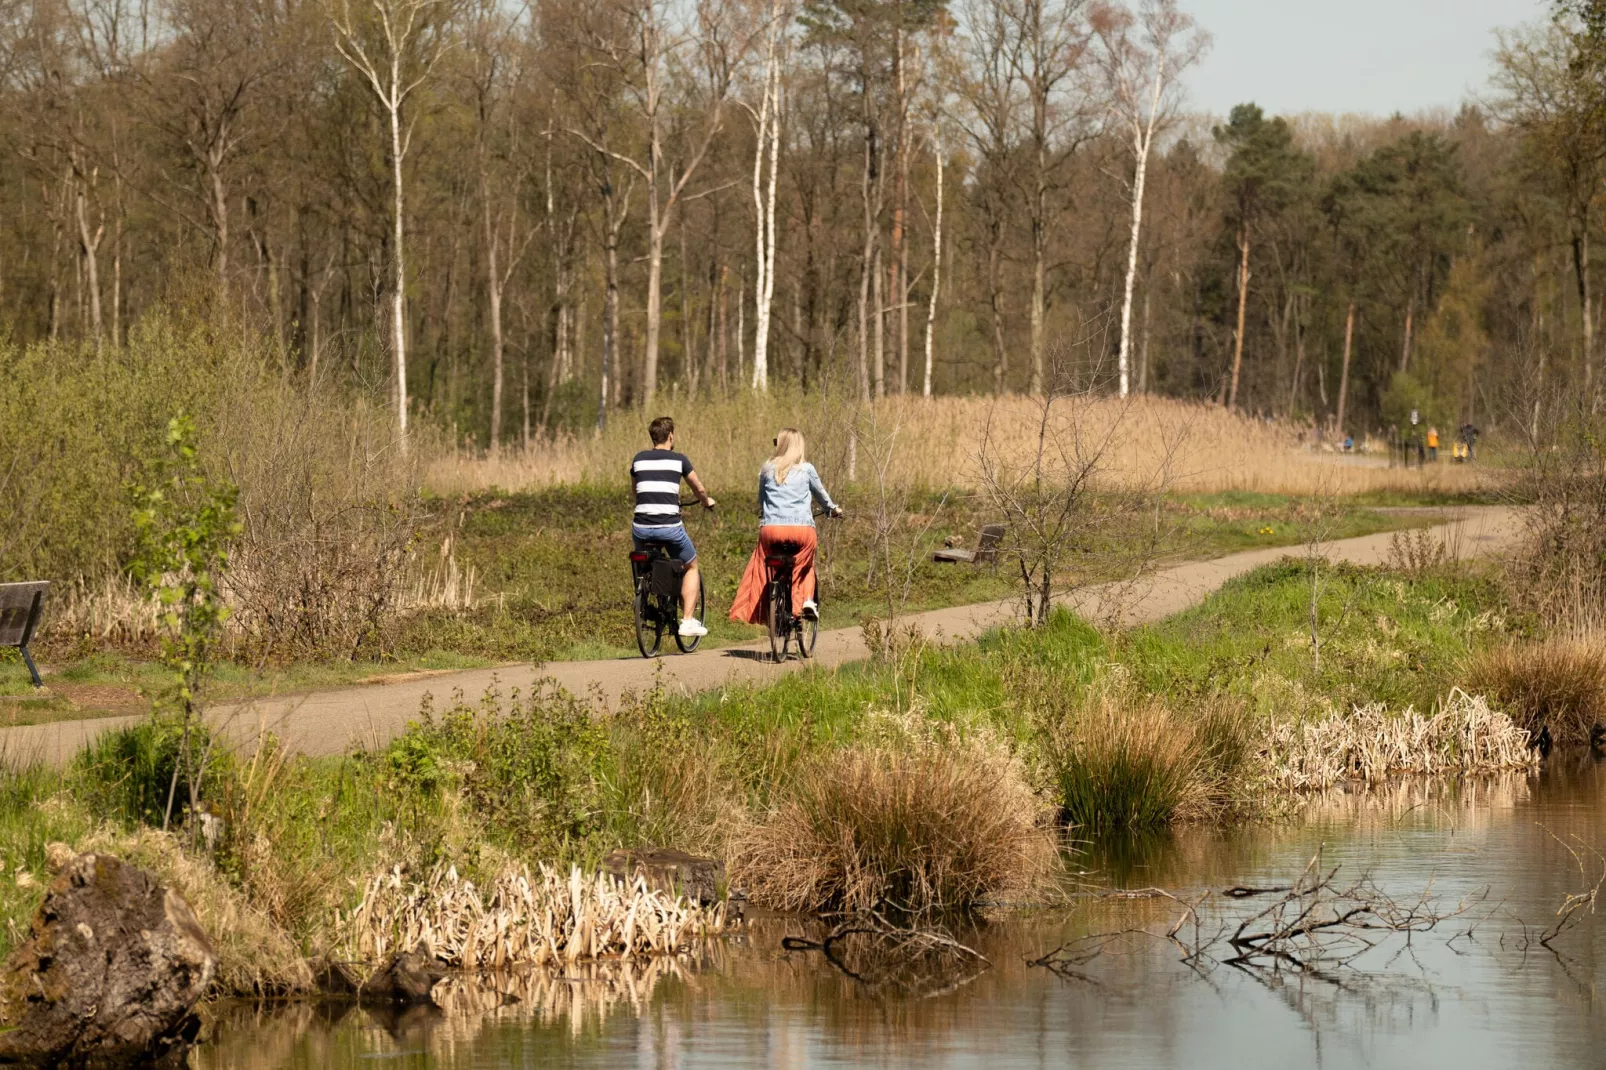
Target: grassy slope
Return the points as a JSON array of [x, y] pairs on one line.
[[555, 782], [552, 584]]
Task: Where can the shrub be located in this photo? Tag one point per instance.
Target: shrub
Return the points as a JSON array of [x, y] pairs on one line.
[[532, 767], [1557, 683], [913, 828]]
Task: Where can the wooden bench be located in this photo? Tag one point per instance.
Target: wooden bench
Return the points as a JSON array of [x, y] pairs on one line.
[[985, 553], [20, 607]]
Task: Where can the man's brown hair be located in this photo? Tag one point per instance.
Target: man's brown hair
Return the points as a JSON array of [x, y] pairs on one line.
[[660, 430]]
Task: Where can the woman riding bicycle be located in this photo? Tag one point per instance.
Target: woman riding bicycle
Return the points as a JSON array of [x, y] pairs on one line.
[[786, 484]]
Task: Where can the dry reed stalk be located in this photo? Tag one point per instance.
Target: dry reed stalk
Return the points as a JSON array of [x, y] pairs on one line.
[[1370, 744], [941, 438], [523, 919], [117, 610]]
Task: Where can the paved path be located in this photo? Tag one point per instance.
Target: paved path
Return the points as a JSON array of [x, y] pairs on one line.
[[367, 716]]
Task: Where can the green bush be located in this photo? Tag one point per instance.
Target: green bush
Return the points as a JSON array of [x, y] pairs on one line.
[[530, 767]]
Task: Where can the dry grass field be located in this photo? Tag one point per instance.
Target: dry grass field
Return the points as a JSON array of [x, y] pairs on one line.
[[938, 442]]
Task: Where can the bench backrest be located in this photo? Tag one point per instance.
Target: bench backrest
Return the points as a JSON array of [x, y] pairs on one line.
[[987, 544], [20, 607]]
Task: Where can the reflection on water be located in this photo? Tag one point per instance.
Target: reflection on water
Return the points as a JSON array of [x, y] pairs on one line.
[[1492, 998]]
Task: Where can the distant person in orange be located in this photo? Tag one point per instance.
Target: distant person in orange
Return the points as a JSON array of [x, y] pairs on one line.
[[786, 485], [1433, 443]]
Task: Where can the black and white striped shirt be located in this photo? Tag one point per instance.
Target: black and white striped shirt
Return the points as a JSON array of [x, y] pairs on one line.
[[657, 475]]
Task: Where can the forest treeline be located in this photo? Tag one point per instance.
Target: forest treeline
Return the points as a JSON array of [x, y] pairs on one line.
[[515, 218]]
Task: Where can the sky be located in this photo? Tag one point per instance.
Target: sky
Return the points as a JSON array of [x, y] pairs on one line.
[[1364, 56]]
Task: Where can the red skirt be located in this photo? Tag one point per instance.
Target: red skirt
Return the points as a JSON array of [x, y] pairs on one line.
[[751, 605]]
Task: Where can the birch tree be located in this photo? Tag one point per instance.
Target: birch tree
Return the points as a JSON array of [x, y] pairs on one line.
[[767, 121], [1141, 60], [394, 46], [938, 151]]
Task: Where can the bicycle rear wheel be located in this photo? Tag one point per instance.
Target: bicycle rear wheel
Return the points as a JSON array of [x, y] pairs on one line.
[[688, 643], [780, 622], [649, 625]]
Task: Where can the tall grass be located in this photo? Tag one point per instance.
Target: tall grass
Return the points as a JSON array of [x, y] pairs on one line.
[[1557, 683], [906, 828], [1125, 762], [938, 440]]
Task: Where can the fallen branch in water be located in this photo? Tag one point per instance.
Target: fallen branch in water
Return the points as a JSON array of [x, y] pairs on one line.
[[885, 957], [1315, 926], [1575, 903]]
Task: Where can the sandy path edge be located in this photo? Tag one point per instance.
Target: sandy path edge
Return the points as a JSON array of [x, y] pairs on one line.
[[368, 716]]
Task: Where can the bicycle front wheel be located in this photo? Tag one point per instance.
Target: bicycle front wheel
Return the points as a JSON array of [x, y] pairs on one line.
[[688, 643], [649, 625], [780, 623]]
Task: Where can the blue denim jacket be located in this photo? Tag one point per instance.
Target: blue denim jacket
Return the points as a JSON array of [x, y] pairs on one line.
[[788, 503]]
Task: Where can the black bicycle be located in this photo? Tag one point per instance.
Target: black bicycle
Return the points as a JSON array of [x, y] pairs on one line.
[[657, 576], [788, 630]]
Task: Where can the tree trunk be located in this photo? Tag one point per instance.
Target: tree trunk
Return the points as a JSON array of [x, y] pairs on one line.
[[995, 289], [655, 280], [494, 293], [936, 275], [1410, 319], [610, 301], [398, 298], [89, 251], [866, 267], [1585, 301], [1140, 175], [1243, 300], [1143, 341], [1343, 374]]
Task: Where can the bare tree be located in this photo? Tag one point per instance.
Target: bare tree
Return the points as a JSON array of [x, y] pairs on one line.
[[767, 123], [990, 102], [394, 45], [494, 71], [644, 60], [1053, 47], [1141, 60], [1065, 501]]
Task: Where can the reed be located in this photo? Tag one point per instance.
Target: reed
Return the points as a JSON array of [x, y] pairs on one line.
[[544, 918], [911, 827], [1557, 683], [1369, 744], [937, 442]]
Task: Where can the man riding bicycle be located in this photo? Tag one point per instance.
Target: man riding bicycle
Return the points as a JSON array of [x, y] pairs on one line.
[[655, 475]]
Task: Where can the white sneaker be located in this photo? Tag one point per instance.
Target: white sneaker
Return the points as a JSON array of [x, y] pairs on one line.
[[691, 628], [811, 611]]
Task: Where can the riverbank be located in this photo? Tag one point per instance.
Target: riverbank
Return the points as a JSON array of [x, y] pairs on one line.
[[1119, 732]]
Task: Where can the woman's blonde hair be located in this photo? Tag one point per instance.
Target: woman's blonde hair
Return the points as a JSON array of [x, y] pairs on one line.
[[789, 448]]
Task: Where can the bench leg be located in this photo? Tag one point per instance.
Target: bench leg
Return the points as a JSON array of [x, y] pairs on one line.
[[27, 659]]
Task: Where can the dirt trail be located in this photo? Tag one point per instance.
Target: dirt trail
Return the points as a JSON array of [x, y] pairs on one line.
[[332, 722]]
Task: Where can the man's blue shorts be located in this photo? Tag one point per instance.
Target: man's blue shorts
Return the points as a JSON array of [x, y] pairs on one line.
[[673, 536]]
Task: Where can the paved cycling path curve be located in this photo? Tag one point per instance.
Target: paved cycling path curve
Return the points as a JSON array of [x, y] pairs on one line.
[[367, 716]]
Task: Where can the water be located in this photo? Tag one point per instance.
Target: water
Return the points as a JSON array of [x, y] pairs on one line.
[[1489, 998]]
